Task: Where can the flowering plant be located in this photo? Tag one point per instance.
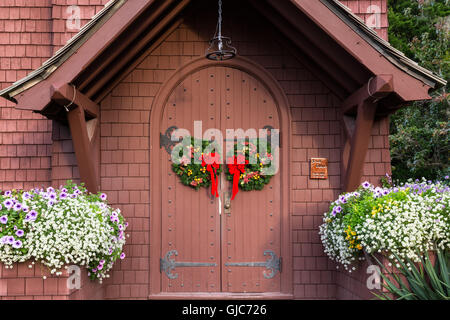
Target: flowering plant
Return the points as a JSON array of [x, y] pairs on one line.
[[404, 221], [61, 226]]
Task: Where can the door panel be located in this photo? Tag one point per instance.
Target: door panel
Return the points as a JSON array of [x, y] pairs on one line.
[[229, 247], [253, 225], [190, 224]]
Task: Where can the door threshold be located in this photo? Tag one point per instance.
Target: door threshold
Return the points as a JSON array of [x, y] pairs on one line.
[[220, 296]]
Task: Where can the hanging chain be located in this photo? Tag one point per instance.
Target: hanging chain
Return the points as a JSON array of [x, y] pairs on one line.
[[219, 22]]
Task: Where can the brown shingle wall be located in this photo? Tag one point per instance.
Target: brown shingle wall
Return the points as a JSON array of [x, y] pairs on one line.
[[24, 283], [373, 12], [25, 138]]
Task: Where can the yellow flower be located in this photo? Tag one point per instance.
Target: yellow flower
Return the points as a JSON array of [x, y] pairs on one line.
[[359, 247], [353, 233]]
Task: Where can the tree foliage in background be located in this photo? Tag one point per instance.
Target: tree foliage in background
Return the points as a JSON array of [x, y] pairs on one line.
[[420, 132]]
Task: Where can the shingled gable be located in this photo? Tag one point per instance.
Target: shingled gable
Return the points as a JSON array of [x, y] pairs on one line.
[[118, 33], [365, 72]]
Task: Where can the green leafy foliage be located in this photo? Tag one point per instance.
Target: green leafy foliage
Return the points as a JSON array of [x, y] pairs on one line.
[[419, 132]]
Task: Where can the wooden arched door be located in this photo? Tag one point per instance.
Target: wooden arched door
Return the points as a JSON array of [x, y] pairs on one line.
[[203, 247]]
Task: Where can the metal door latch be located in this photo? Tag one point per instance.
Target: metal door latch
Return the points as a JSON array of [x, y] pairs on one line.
[[227, 205], [273, 264], [168, 265]]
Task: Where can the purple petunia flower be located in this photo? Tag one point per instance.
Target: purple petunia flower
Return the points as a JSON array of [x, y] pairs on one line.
[[4, 219], [63, 195], [385, 192], [31, 216], [103, 196], [122, 256], [64, 190], [102, 262], [17, 206], [338, 209], [1, 207], [50, 189], [26, 196], [52, 196], [51, 203], [7, 193], [8, 203], [126, 224], [100, 267], [366, 184], [4, 239], [17, 244], [19, 233], [10, 240]]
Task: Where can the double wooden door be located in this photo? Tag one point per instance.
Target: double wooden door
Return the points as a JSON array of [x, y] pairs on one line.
[[205, 247]]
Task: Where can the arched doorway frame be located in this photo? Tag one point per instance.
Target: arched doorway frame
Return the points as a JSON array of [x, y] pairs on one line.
[[156, 114]]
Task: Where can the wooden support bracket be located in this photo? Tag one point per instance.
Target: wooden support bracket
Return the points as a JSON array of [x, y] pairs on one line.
[[375, 89], [83, 132], [358, 130]]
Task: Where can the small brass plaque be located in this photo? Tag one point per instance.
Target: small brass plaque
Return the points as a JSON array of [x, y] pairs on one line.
[[319, 168]]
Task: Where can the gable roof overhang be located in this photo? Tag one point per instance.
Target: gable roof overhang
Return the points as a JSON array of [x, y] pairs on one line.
[[324, 34]]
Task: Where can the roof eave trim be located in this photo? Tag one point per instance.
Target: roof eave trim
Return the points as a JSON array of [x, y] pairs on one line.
[[395, 56], [49, 66]]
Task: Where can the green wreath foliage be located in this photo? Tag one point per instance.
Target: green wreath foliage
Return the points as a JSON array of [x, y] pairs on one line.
[[252, 178], [193, 174]]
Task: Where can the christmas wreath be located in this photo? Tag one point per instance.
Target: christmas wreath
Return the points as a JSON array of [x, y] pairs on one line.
[[246, 166], [198, 175]]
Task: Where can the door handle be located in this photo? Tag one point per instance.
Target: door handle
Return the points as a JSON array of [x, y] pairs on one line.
[[227, 204]]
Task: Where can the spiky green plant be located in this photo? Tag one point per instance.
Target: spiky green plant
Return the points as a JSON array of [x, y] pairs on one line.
[[417, 281]]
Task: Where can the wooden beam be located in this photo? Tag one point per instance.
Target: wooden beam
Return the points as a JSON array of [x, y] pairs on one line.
[[127, 56], [82, 147], [334, 71], [359, 144], [348, 123], [83, 132], [68, 94], [375, 89]]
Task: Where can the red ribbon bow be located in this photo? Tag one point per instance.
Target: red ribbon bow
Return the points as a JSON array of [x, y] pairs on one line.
[[211, 161], [236, 166]]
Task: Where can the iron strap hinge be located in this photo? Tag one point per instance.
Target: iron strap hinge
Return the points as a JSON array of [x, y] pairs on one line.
[[168, 265], [165, 140], [273, 264]]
